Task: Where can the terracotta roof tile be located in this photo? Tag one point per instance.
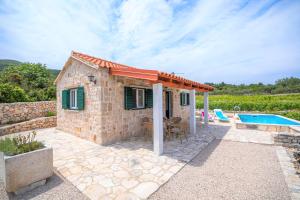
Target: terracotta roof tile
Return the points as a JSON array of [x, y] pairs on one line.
[[133, 72]]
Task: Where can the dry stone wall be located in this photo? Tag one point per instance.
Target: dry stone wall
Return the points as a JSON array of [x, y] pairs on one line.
[[23, 111], [42, 122], [289, 138]]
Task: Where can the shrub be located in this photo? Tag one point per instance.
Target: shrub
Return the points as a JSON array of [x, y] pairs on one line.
[[50, 114], [8, 147], [20, 144], [35, 79], [10, 93]]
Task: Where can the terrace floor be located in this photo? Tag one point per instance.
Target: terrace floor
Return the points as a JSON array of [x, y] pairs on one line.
[[124, 170], [130, 170]]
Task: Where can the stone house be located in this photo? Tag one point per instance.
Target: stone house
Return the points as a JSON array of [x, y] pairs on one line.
[[105, 102]]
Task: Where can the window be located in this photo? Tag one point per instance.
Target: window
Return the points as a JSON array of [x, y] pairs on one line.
[[137, 98], [140, 98], [184, 99], [73, 98]]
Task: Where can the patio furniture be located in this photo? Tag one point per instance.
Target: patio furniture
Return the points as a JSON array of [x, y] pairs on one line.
[[173, 127], [184, 130], [220, 115], [147, 125], [148, 130]]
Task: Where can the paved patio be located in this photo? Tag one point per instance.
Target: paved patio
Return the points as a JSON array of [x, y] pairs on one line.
[[130, 169], [125, 170], [227, 131]]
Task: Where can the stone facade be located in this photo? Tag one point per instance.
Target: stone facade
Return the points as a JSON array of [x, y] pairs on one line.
[[104, 119], [42, 122], [23, 111]]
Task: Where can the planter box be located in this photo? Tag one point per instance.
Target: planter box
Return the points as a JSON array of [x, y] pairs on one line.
[[23, 170]]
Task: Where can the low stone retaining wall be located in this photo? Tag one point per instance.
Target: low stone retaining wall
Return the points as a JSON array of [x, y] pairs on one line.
[[42, 122], [287, 139], [23, 111]]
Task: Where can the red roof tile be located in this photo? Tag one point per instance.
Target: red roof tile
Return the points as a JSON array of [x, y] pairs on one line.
[[167, 79]]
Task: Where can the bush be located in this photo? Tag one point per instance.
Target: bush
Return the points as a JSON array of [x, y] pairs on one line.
[[20, 144], [50, 114], [35, 79], [10, 93]]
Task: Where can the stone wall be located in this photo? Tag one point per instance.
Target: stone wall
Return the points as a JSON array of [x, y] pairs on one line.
[[42, 122], [84, 123], [287, 139], [104, 119], [22, 111]]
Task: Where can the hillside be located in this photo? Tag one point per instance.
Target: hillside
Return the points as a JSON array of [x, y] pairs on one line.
[[6, 63], [281, 86]]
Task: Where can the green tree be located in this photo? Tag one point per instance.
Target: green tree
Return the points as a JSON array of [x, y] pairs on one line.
[[11, 93], [35, 79]]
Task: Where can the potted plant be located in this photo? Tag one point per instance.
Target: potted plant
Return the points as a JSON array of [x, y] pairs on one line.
[[24, 162]]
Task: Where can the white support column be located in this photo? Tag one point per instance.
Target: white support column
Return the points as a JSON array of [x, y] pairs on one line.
[[205, 108], [192, 111], [158, 133]]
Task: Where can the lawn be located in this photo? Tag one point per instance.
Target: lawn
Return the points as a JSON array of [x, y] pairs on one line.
[[283, 104]]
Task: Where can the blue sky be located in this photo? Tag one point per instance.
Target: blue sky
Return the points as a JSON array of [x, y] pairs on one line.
[[209, 41]]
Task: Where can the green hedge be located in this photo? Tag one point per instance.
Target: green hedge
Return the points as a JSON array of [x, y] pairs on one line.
[[253, 103]]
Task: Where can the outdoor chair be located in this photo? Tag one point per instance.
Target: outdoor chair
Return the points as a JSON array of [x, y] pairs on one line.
[[148, 130], [184, 130], [173, 125], [147, 126]]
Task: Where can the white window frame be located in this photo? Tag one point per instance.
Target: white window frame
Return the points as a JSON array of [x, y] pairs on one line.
[[137, 98], [184, 103], [73, 92], [185, 99]]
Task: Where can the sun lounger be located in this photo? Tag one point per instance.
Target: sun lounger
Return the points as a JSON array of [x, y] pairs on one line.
[[220, 115]]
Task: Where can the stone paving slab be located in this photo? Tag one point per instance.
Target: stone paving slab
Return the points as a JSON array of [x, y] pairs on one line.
[[228, 131], [287, 166], [124, 170]]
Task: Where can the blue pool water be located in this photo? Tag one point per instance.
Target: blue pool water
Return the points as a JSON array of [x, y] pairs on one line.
[[266, 119]]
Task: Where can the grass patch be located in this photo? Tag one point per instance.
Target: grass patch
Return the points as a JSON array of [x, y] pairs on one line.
[[20, 144], [50, 114]]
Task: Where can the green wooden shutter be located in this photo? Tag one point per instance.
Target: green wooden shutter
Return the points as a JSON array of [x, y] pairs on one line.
[[148, 98], [187, 99], [80, 98], [65, 99], [129, 98]]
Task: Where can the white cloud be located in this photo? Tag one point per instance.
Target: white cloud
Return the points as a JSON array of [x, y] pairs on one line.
[[232, 41]]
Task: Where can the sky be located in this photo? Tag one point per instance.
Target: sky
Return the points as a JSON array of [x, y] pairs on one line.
[[235, 41]]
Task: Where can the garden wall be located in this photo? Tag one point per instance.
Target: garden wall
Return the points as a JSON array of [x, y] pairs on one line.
[[288, 139], [23, 111], [42, 122]]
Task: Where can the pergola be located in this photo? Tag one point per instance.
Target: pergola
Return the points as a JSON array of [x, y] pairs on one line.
[[158, 80]]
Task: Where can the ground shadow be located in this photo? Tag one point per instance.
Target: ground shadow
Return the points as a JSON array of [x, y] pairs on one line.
[[182, 151], [51, 183]]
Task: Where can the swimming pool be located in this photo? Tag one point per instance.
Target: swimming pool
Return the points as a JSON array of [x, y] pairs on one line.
[[266, 119], [265, 122]]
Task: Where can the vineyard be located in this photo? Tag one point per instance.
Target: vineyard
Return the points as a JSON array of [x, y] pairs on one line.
[[285, 104]]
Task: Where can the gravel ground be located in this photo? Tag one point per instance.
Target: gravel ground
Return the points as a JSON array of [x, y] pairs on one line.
[[229, 170], [56, 188]]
